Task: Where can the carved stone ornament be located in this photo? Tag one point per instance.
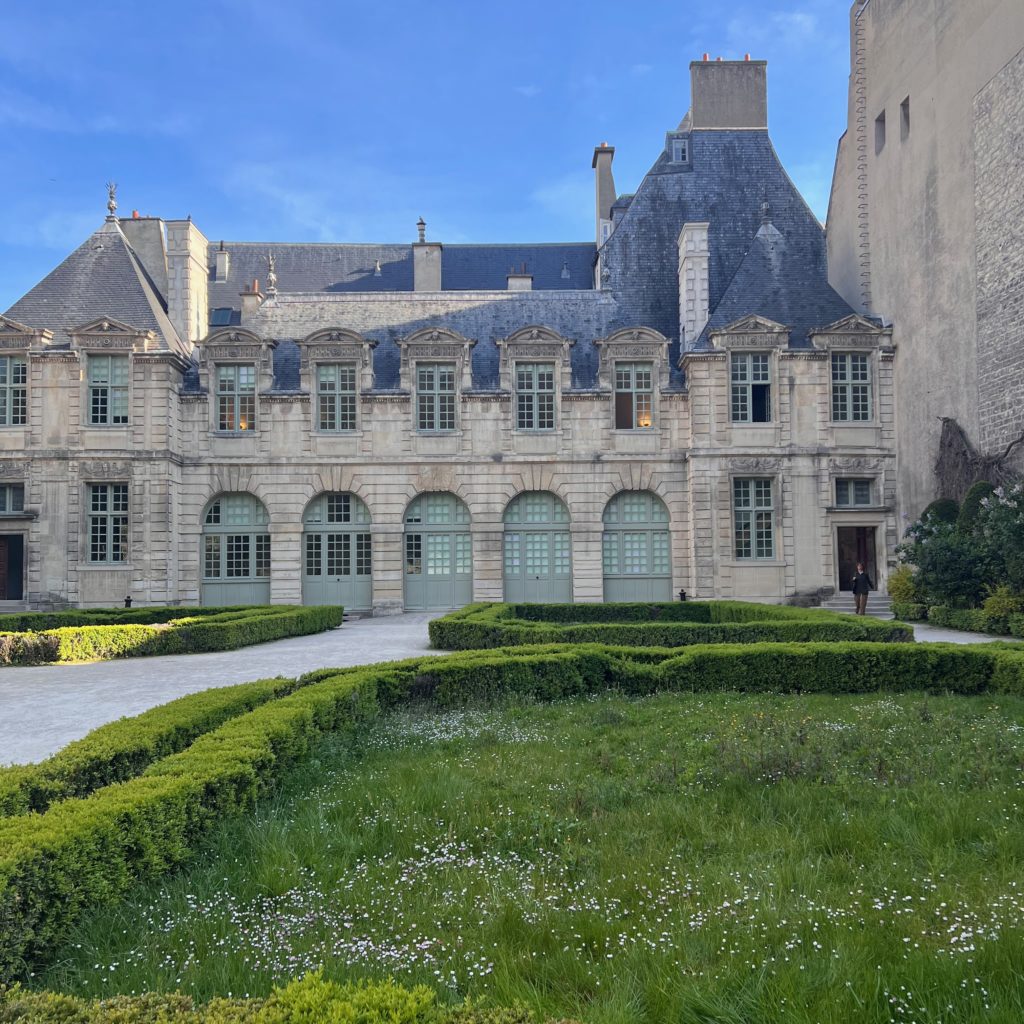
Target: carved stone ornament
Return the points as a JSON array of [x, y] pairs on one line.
[[12, 467], [855, 464], [107, 470], [763, 464]]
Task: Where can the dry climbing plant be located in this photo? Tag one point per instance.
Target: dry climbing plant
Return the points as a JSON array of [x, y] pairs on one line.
[[959, 464]]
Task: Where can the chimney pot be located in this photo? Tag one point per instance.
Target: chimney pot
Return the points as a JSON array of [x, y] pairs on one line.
[[746, 56], [707, 56], [718, 58], [135, 214]]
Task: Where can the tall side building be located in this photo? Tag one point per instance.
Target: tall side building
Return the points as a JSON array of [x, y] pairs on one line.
[[926, 220]]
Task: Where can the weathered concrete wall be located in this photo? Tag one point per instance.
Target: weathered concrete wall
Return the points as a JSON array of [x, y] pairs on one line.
[[902, 231], [999, 212]]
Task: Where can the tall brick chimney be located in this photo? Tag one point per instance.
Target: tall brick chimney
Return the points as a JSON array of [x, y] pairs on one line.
[[604, 189], [728, 93], [426, 262]]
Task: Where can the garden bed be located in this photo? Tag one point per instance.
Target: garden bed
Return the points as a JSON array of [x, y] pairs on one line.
[[43, 638], [669, 624]]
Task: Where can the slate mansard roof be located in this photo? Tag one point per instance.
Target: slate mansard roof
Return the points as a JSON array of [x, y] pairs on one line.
[[772, 264]]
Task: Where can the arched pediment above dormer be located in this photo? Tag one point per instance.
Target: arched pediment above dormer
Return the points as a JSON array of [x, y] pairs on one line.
[[633, 336], [750, 332], [230, 336], [435, 336], [853, 331], [14, 335], [536, 334], [642, 344], [337, 336], [108, 333], [435, 345], [530, 344]]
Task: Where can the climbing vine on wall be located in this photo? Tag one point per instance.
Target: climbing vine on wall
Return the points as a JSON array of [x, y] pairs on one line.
[[960, 464]]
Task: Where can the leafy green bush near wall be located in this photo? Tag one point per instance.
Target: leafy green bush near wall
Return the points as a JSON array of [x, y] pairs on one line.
[[674, 624], [83, 851], [910, 611], [220, 629]]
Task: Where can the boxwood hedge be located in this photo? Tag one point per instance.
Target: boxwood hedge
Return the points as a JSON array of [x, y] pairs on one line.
[[669, 624], [87, 850], [170, 631]]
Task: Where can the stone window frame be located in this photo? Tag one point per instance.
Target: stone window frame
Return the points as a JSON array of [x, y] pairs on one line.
[[855, 479], [108, 337], [633, 345], [848, 384], [255, 532], [746, 386], [335, 346], [435, 401], [436, 346], [12, 498], [13, 392], [535, 344], [234, 347], [237, 403], [753, 509], [102, 524]]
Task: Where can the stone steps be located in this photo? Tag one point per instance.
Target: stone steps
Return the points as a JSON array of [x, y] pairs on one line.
[[879, 605]]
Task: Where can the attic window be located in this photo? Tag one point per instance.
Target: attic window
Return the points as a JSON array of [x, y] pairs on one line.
[[220, 317], [680, 151], [880, 132]]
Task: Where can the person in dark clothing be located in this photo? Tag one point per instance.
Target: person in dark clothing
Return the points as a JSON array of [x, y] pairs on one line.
[[862, 586]]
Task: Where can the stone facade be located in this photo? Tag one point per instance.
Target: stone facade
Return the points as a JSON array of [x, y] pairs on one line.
[[597, 434], [925, 220]]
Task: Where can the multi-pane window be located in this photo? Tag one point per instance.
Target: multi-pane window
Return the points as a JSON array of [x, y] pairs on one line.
[[108, 523], [853, 492], [236, 544], [750, 387], [753, 518], [535, 396], [636, 538], [851, 387], [633, 396], [13, 391], [12, 498], [108, 390], [236, 398], [336, 396], [337, 551], [435, 396]]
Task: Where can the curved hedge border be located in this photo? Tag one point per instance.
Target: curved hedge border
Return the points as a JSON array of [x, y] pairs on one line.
[[122, 749], [81, 852], [307, 1000], [181, 632], [971, 620], [677, 624]]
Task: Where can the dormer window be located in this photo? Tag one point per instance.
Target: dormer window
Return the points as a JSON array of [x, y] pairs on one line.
[[680, 151]]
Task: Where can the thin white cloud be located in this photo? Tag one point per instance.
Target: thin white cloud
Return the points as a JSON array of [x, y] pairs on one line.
[[529, 91], [21, 110], [564, 197], [641, 69]]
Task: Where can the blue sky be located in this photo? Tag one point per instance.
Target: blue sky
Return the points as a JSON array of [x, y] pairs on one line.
[[310, 120]]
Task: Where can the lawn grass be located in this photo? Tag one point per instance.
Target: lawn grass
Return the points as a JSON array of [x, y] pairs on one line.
[[718, 857]]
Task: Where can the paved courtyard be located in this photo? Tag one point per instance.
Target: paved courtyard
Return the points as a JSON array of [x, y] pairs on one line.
[[43, 708]]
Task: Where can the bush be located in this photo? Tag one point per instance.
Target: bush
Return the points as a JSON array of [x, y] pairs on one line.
[[220, 629], [482, 626], [910, 611], [970, 511], [901, 585], [941, 510]]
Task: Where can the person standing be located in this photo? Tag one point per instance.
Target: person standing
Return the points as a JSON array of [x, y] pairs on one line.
[[862, 586]]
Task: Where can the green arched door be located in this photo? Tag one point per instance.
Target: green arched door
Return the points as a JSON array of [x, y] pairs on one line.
[[636, 548], [337, 552], [438, 553], [537, 549], [235, 551]]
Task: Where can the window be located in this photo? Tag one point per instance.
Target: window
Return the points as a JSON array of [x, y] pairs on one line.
[[236, 544], [680, 151], [12, 498], [633, 393], [13, 391], [535, 396], [108, 523], [435, 396], [336, 396], [880, 133], [851, 387], [236, 398], [751, 392], [853, 492], [904, 119], [108, 390], [753, 518]]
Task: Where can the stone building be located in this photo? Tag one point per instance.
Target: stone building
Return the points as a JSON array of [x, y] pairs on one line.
[[684, 403], [926, 219]]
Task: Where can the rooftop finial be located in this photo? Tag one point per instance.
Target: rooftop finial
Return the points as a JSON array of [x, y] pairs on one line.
[[421, 226], [111, 200], [766, 212], [271, 275]]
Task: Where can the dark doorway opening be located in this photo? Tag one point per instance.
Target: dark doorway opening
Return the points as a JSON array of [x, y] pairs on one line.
[[856, 544], [12, 567]]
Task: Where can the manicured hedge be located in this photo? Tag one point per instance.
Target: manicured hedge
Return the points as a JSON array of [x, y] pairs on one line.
[[85, 851], [308, 1000], [673, 624], [216, 630], [122, 749], [971, 620], [22, 622]]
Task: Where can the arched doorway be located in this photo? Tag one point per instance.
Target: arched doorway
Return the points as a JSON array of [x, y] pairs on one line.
[[537, 549], [636, 548], [337, 552], [438, 553], [235, 551]]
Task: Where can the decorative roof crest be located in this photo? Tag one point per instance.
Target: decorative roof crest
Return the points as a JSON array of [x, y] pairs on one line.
[[111, 200]]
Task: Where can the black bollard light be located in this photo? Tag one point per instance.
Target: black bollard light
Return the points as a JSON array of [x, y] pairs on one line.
[[682, 595], [128, 601]]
